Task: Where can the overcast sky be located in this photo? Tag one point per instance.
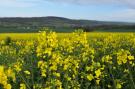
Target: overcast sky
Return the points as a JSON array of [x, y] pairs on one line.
[[105, 10]]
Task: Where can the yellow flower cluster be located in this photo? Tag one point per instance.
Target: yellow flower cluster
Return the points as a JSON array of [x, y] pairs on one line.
[[4, 79], [124, 56], [78, 61]]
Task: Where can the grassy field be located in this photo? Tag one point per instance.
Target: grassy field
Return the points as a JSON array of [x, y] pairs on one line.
[[115, 30], [32, 30]]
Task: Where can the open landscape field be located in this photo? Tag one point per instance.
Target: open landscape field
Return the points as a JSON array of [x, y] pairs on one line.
[[67, 44], [49, 60]]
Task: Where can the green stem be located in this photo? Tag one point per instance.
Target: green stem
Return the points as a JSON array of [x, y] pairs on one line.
[[24, 81]]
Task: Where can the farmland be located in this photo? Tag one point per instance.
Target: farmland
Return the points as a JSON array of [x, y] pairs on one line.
[[78, 60], [30, 36]]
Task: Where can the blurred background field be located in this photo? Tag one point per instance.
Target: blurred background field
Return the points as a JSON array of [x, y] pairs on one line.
[[30, 36]]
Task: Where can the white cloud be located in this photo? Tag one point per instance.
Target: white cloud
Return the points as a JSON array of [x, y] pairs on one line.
[[18, 3], [127, 15], [23, 3], [127, 3]]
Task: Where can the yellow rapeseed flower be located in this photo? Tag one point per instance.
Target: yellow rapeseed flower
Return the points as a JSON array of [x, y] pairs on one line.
[[27, 72], [98, 73], [22, 86], [90, 77]]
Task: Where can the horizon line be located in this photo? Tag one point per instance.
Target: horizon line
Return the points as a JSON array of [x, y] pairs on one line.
[[65, 18]]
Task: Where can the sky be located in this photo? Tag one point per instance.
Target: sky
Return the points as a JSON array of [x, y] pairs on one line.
[[103, 10]]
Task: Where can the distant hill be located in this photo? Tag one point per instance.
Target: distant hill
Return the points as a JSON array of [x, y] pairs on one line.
[[32, 24]]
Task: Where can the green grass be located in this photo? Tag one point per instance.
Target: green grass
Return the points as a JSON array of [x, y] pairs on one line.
[[114, 30], [31, 30]]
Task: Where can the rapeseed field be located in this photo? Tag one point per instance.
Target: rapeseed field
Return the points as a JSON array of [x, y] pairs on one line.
[[78, 60]]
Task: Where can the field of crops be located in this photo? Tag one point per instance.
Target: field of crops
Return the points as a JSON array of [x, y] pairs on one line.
[[79, 60]]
